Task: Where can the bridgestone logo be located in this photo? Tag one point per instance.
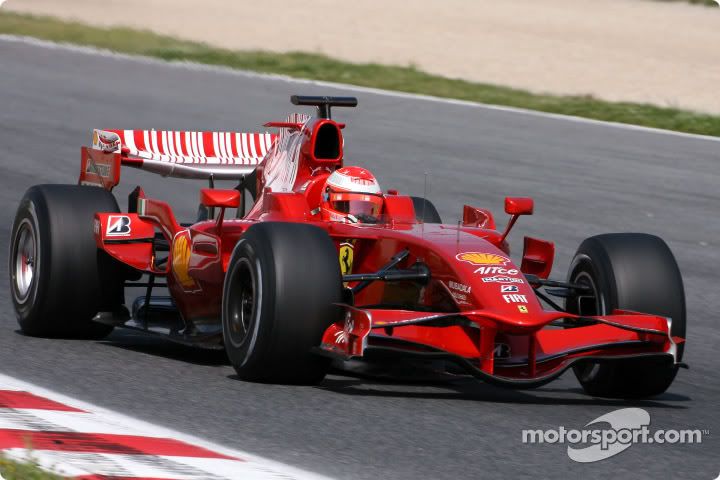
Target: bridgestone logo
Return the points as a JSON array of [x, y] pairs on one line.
[[627, 426], [118, 226]]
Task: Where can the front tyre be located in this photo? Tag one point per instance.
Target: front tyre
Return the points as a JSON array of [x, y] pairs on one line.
[[279, 297], [59, 279], [628, 271]]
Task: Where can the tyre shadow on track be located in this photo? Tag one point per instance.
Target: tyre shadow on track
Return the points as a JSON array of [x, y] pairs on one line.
[[158, 346], [470, 389]]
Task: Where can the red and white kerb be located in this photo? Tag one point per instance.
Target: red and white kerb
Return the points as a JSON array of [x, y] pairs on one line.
[[82, 441]]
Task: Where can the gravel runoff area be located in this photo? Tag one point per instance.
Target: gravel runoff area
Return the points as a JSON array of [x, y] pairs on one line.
[[664, 53]]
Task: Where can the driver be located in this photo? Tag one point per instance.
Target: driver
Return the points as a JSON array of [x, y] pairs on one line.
[[351, 195]]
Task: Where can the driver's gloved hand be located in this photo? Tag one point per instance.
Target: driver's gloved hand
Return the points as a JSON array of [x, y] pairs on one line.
[[367, 219]]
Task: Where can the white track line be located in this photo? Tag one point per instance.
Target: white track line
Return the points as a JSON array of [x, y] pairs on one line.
[[97, 420], [376, 91]]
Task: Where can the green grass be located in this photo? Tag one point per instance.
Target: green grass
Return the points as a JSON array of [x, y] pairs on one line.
[[12, 470], [320, 67]]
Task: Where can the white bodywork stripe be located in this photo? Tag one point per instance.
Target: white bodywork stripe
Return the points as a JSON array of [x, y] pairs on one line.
[[154, 142], [244, 146], [129, 139], [146, 139], [201, 145]]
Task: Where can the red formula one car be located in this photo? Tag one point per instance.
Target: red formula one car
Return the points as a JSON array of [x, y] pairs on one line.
[[324, 265]]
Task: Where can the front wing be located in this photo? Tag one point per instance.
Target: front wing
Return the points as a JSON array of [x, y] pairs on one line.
[[490, 347]]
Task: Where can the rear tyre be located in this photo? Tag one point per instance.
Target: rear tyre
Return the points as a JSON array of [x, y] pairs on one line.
[[59, 279], [425, 211], [282, 283], [629, 271]]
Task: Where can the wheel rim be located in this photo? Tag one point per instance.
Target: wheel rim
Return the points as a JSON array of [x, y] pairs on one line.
[[242, 304], [592, 304], [25, 261], [589, 304]]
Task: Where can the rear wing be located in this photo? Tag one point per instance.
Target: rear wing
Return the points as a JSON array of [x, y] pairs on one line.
[[197, 155]]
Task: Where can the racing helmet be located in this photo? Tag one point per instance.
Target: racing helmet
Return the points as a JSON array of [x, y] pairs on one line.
[[352, 195]]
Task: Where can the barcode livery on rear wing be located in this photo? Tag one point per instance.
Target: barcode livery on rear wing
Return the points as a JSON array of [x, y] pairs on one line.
[[228, 155], [198, 148]]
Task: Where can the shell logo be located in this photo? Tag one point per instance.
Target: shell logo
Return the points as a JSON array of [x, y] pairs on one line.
[[476, 258], [181, 260]]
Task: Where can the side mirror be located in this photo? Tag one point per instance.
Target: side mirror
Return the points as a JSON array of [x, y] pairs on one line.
[[211, 197], [516, 206], [519, 205]]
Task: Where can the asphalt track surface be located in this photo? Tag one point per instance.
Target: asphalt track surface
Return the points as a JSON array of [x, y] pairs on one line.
[[586, 179]]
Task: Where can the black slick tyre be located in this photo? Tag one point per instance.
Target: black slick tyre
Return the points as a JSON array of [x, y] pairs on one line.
[[59, 280], [279, 297], [629, 271]]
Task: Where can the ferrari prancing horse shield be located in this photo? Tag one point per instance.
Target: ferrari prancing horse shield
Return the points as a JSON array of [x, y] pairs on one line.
[[346, 255]]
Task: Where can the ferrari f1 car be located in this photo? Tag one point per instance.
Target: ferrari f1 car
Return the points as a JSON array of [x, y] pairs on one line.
[[324, 265]]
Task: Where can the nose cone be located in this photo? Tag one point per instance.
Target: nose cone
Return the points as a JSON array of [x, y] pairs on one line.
[[496, 284]]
